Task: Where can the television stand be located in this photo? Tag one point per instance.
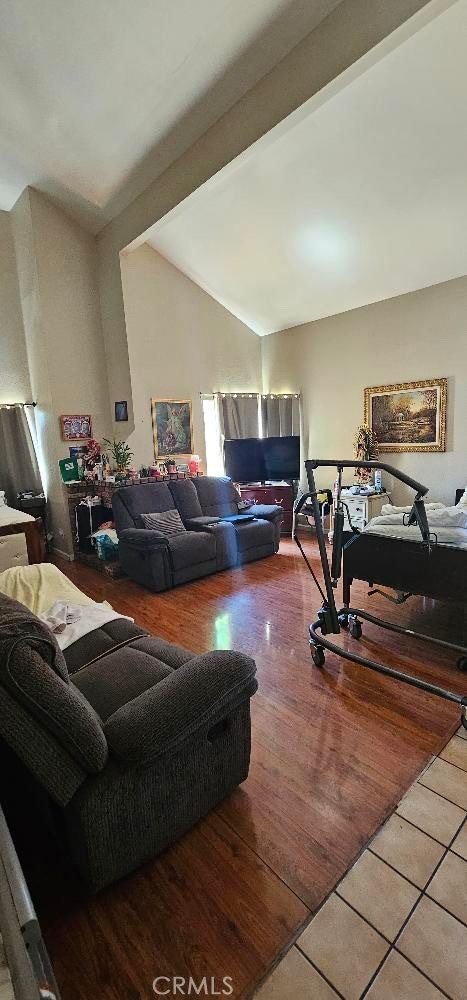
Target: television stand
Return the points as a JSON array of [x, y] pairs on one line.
[[280, 493]]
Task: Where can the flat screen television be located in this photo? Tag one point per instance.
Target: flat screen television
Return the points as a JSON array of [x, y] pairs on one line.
[[272, 459]]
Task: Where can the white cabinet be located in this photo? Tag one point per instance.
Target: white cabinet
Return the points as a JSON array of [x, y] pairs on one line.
[[361, 509]]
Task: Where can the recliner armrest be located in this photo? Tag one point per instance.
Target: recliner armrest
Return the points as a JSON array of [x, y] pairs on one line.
[[142, 538], [266, 511], [193, 698], [200, 523]]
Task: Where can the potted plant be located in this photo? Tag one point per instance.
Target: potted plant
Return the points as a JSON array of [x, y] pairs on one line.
[[121, 454], [366, 450]]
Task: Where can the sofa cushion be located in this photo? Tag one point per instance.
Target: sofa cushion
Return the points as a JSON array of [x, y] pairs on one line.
[[186, 498], [125, 673], [216, 495], [119, 677], [191, 548], [55, 704], [100, 641], [168, 523], [251, 534], [129, 501]]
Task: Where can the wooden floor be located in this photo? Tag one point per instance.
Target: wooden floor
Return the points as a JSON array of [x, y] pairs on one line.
[[333, 750]]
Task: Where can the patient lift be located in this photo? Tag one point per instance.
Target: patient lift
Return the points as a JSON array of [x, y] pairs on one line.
[[329, 619]]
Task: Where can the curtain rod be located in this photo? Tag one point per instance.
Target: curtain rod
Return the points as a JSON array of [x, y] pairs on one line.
[[6, 405], [251, 395]]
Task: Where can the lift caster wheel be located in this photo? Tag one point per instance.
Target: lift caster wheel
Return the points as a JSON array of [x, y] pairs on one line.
[[344, 621], [462, 664], [355, 628], [317, 655]]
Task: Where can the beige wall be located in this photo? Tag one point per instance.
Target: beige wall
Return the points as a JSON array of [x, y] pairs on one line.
[[350, 31], [180, 342], [416, 336], [32, 321], [15, 385], [67, 273], [56, 260], [57, 277]]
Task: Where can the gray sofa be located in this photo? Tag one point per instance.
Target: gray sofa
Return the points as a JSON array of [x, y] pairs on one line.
[[207, 542], [130, 740]]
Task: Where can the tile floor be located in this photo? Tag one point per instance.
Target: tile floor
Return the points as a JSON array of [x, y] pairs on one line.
[[395, 927]]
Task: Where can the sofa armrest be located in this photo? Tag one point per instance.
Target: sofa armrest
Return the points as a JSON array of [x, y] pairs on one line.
[[266, 511], [200, 523], [193, 698], [142, 538]]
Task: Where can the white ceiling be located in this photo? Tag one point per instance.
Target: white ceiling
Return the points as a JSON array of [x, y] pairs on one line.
[[99, 96], [362, 196]]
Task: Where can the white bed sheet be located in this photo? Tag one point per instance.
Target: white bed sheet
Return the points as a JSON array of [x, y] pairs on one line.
[[454, 537], [8, 515]]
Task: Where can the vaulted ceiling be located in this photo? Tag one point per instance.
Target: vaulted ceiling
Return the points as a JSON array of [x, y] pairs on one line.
[[360, 196], [99, 96]]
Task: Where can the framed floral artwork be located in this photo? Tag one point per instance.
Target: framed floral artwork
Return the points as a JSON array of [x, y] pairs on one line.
[[172, 427], [408, 416]]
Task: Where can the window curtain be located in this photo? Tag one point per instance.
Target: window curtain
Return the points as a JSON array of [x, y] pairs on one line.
[[280, 415], [238, 414], [19, 470]]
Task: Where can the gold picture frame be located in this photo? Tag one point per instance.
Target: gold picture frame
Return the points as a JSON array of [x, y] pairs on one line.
[[408, 416], [172, 428]]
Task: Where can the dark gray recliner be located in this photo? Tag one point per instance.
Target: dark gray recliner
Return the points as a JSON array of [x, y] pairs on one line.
[[209, 542], [128, 739]]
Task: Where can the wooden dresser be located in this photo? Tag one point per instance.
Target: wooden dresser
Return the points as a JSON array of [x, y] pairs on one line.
[[280, 494]]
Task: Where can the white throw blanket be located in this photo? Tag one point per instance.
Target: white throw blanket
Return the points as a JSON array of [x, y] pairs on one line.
[[48, 593], [70, 622]]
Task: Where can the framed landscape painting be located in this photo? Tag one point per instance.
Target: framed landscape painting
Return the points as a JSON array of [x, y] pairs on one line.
[[410, 416], [172, 427]]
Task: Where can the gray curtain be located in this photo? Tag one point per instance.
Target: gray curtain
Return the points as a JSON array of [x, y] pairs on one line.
[[19, 470], [280, 415], [238, 415]]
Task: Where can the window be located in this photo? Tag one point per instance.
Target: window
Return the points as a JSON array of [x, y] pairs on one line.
[[212, 437]]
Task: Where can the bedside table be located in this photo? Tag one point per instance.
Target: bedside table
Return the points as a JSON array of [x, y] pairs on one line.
[[361, 509]]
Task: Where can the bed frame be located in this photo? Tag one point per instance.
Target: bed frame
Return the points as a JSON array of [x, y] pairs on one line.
[[34, 539], [405, 567]]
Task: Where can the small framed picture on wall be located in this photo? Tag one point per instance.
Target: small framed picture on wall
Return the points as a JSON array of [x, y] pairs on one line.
[[75, 426], [121, 411]]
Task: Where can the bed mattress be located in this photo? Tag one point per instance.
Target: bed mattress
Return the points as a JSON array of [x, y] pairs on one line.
[[454, 537], [8, 515]]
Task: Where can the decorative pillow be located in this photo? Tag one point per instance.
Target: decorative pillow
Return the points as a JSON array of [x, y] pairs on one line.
[[168, 523]]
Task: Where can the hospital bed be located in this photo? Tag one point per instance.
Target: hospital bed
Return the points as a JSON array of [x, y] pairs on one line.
[[422, 564]]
